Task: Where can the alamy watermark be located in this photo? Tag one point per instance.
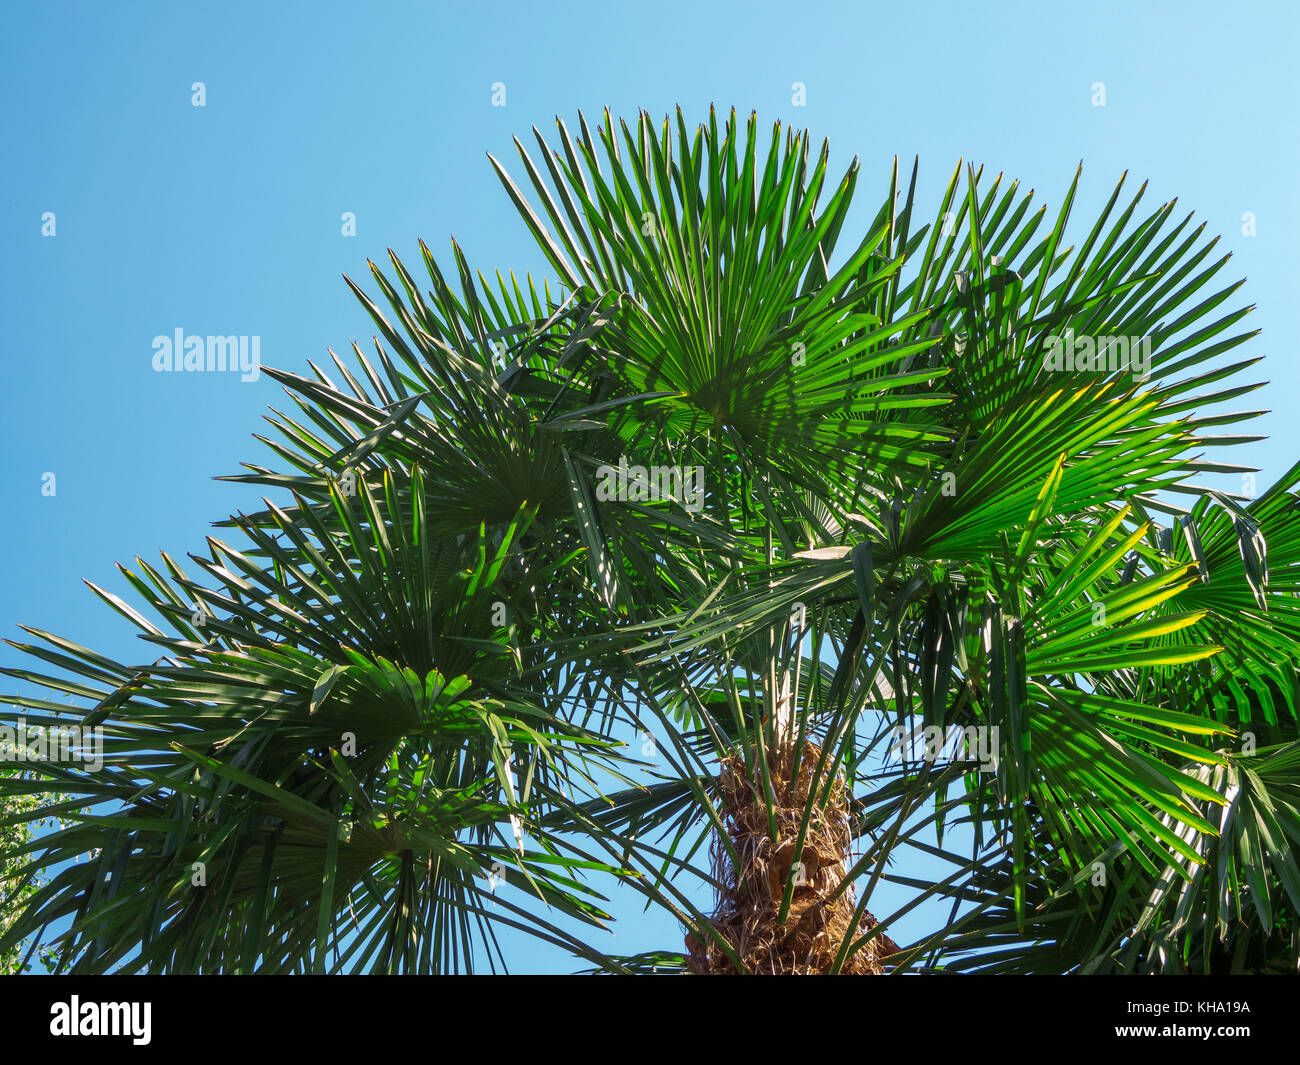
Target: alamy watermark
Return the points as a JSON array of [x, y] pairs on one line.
[[1068, 353], [196, 354], [77, 1018], [643, 484], [55, 743], [931, 743]]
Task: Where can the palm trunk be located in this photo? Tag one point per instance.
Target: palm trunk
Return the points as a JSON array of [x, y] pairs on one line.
[[808, 940]]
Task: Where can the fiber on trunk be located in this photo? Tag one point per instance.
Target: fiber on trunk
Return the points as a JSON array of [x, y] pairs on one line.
[[808, 941]]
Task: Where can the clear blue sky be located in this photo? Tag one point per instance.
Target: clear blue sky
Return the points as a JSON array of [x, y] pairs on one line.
[[226, 219]]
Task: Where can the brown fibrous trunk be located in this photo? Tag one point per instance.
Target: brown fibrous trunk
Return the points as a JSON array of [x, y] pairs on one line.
[[808, 941]]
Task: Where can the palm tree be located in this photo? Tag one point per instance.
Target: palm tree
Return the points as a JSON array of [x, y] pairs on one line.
[[873, 543]]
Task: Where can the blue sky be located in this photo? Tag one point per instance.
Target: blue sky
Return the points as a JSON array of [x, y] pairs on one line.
[[226, 219]]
